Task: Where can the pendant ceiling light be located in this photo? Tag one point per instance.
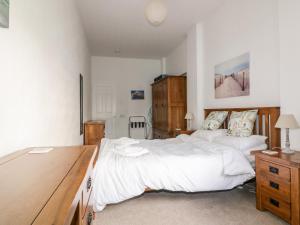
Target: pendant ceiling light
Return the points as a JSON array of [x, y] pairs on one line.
[[156, 12]]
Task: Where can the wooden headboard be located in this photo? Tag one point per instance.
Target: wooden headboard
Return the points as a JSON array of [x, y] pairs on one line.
[[265, 122]]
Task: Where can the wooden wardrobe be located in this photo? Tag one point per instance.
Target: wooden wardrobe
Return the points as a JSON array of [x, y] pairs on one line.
[[169, 106]]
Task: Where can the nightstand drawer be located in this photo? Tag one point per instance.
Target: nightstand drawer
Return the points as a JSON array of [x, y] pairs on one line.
[[280, 188], [278, 185], [276, 205], [271, 169]]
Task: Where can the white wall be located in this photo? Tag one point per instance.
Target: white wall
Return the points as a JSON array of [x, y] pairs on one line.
[[270, 31], [42, 54], [289, 19], [238, 27], [176, 61], [195, 90], [124, 75]]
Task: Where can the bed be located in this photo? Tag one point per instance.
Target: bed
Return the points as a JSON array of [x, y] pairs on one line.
[[185, 163]]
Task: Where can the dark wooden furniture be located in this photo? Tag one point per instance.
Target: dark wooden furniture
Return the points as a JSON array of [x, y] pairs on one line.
[[278, 185], [93, 132], [169, 106], [47, 189], [188, 132], [265, 123]]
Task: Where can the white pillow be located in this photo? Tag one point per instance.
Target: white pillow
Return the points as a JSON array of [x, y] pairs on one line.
[[209, 135], [241, 143]]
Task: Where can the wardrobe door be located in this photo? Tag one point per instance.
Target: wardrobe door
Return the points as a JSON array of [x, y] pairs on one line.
[[177, 103], [159, 106], [154, 105], [164, 105]]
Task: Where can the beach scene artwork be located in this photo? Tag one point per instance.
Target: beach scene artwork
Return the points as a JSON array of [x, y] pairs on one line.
[[4, 13], [232, 78]]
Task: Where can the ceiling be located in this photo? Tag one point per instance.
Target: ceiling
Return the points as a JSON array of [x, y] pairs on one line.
[[119, 28]]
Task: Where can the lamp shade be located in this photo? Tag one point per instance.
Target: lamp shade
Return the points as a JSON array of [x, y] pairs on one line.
[[156, 12], [189, 116], [287, 121]]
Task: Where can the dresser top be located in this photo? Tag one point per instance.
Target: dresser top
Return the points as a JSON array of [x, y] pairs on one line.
[[95, 122], [30, 181], [282, 158]]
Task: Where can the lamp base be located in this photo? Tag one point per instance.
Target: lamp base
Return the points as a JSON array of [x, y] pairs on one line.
[[288, 151]]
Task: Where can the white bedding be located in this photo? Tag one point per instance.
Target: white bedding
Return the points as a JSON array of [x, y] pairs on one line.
[[184, 163]]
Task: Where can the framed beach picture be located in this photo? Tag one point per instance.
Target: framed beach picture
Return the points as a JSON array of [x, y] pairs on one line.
[[137, 95], [232, 78], [4, 13]]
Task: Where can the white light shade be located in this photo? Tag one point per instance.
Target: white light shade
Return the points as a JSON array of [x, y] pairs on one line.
[[156, 12], [189, 116], [287, 121]]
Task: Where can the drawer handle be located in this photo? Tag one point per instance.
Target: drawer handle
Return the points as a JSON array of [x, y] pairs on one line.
[[273, 170], [89, 184], [274, 185], [274, 202], [90, 218]]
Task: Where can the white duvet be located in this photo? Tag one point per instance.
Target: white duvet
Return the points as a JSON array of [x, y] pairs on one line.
[[184, 164]]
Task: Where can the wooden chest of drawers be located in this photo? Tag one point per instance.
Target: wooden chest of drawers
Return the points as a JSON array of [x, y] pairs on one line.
[[93, 132], [278, 187], [54, 188]]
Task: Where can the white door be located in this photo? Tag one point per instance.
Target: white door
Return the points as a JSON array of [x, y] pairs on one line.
[[103, 102], [104, 107]]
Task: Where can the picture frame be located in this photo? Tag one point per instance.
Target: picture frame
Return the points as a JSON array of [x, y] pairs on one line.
[[137, 95], [232, 78], [4, 13], [81, 104]]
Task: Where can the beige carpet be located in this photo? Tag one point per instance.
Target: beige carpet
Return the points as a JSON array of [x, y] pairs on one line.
[[235, 207]]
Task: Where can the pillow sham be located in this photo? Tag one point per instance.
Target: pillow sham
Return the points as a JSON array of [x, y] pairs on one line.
[[215, 120], [241, 123], [241, 143], [209, 135]]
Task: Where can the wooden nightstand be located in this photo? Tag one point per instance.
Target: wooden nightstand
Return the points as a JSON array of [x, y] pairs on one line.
[[188, 132], [278, 185]]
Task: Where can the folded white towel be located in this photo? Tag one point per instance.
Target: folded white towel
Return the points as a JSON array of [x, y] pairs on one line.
[[128, 147], [131, 151], [124, 141]]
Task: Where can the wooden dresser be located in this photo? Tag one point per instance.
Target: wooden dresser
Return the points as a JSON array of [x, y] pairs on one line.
[[278, 185], [169, 106], [94, 132], [47, 189]]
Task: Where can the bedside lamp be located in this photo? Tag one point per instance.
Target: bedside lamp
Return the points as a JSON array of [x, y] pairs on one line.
[[189, 117], [287, 122]]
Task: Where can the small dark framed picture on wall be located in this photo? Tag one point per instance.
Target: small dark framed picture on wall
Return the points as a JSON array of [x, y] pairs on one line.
[[137, 95], [4, 13]]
